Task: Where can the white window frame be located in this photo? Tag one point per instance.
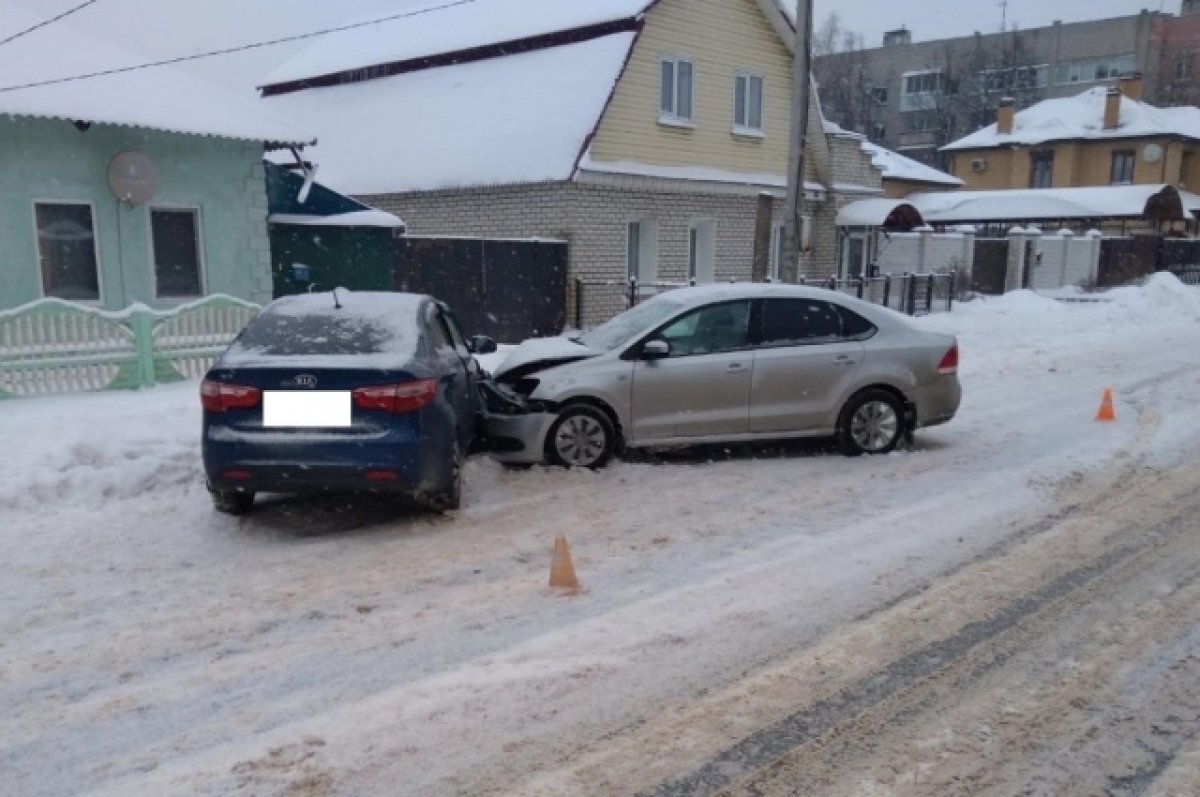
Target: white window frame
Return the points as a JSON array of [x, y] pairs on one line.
[[202, 261], [777, 233], [745, 128], [646, 266], [924, 98], [844, 265], [1128, 158], [778, 241], [671, 116], [697, 247], [37, 249]]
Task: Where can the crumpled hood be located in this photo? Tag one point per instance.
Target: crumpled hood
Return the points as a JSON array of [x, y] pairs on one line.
[[538, 353]]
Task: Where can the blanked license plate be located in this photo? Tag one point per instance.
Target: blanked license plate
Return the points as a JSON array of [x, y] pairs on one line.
[[317, 409]]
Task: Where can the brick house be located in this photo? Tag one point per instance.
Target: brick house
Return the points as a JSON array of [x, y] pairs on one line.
[[623, 127]]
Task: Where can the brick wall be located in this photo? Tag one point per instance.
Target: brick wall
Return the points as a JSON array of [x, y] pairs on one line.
[[522, 211], [594, 219], [852, 165]]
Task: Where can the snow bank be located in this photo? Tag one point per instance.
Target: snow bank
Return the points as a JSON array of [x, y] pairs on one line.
[[84, 451], [996, 331]]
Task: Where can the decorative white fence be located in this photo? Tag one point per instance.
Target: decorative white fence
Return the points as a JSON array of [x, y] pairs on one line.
[[52, 346]]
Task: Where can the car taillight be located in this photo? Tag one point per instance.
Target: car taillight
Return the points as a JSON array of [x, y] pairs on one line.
[[949, 363], [399, 399], [220, 396]]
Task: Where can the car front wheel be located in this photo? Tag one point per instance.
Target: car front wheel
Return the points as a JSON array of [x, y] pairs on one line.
[[581, 437], [872, 423]]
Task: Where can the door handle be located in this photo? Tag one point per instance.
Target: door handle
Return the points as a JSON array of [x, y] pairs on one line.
[[735, 368], [845, 359]]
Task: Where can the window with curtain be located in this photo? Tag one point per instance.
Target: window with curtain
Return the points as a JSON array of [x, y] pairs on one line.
[[66, 240]]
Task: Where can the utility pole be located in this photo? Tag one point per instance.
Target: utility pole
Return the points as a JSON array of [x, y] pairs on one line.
[[801, 91]]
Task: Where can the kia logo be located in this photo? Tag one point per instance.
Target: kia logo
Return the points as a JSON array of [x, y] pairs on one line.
[[305, 380]]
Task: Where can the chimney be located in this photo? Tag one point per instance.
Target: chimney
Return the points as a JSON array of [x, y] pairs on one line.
[[897, 38], [1006, 116], [1112, 109], [1131, 85]]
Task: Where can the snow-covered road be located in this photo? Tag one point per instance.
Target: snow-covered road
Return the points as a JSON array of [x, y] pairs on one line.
[[149, 646]]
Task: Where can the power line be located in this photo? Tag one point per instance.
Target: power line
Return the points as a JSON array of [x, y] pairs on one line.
[[231, 50], [50, 21]]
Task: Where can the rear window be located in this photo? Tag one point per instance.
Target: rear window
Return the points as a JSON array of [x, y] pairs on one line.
[[275, 335], [367, 330], [791, 322]]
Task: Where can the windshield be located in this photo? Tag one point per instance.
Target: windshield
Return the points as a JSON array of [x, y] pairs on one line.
[[617, 332]]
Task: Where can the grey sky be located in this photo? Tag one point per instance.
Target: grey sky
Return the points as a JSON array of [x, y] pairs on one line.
[[941, 19], [164, 28]]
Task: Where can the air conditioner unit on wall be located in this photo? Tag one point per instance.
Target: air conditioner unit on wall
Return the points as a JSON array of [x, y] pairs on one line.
[[978, 165]]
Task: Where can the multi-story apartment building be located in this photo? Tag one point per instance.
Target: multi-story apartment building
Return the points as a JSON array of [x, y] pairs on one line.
[[916, 97]]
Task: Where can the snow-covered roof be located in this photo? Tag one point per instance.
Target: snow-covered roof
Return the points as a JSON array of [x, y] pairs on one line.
[[356, 218], [1082, 117], [1124, 201], [447, 26], [699, 174], [515, 119], [894, 165], [897, 167], [161, 98], [878, 212]]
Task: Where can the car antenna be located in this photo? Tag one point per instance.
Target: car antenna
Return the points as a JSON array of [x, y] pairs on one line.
[[336, 304]]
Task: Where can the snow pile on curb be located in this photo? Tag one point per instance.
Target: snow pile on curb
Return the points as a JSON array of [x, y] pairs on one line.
[[992, 330], [85, 450]]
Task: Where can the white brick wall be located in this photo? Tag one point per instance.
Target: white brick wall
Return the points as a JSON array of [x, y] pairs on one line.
[[594, 219]]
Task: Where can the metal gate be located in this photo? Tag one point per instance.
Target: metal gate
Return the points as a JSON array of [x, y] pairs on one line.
[[989, 274], [508, 289]]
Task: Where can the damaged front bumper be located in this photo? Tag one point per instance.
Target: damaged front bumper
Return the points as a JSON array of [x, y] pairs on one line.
[[514, 428]]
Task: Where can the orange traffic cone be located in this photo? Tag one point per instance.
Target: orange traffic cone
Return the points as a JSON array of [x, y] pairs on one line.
[[562, 571], [1106, 413]]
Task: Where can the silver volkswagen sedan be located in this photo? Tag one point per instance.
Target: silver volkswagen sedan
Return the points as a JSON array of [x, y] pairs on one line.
[[724, 364]]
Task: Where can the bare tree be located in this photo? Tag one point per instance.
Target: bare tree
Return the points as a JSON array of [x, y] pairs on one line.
[[841, 71], [954, 92], [971, 79]]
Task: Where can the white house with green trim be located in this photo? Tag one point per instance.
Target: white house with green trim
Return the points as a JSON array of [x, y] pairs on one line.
[[126, 196]]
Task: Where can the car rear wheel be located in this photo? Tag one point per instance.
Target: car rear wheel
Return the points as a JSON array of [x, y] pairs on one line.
[[871, 423], [451, 498], [231, 502], [581, 437]]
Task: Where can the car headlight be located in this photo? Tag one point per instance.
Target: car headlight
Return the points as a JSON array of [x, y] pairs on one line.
[[526, 386]]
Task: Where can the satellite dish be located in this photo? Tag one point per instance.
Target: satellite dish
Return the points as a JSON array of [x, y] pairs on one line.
[[1152, 153], [132, 177]]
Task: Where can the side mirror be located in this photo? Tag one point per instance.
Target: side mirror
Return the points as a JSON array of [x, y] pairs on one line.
[[656, 349], [481, 344]]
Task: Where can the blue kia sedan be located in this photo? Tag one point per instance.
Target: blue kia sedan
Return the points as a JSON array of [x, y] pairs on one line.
[[343, 391]]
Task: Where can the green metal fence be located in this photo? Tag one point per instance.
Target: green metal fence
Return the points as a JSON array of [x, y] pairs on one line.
[[52, 346]]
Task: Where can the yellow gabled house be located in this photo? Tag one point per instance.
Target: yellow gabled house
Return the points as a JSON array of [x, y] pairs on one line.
[[641, 132]]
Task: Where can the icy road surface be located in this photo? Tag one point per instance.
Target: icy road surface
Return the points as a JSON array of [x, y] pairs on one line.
[[947, 620]]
